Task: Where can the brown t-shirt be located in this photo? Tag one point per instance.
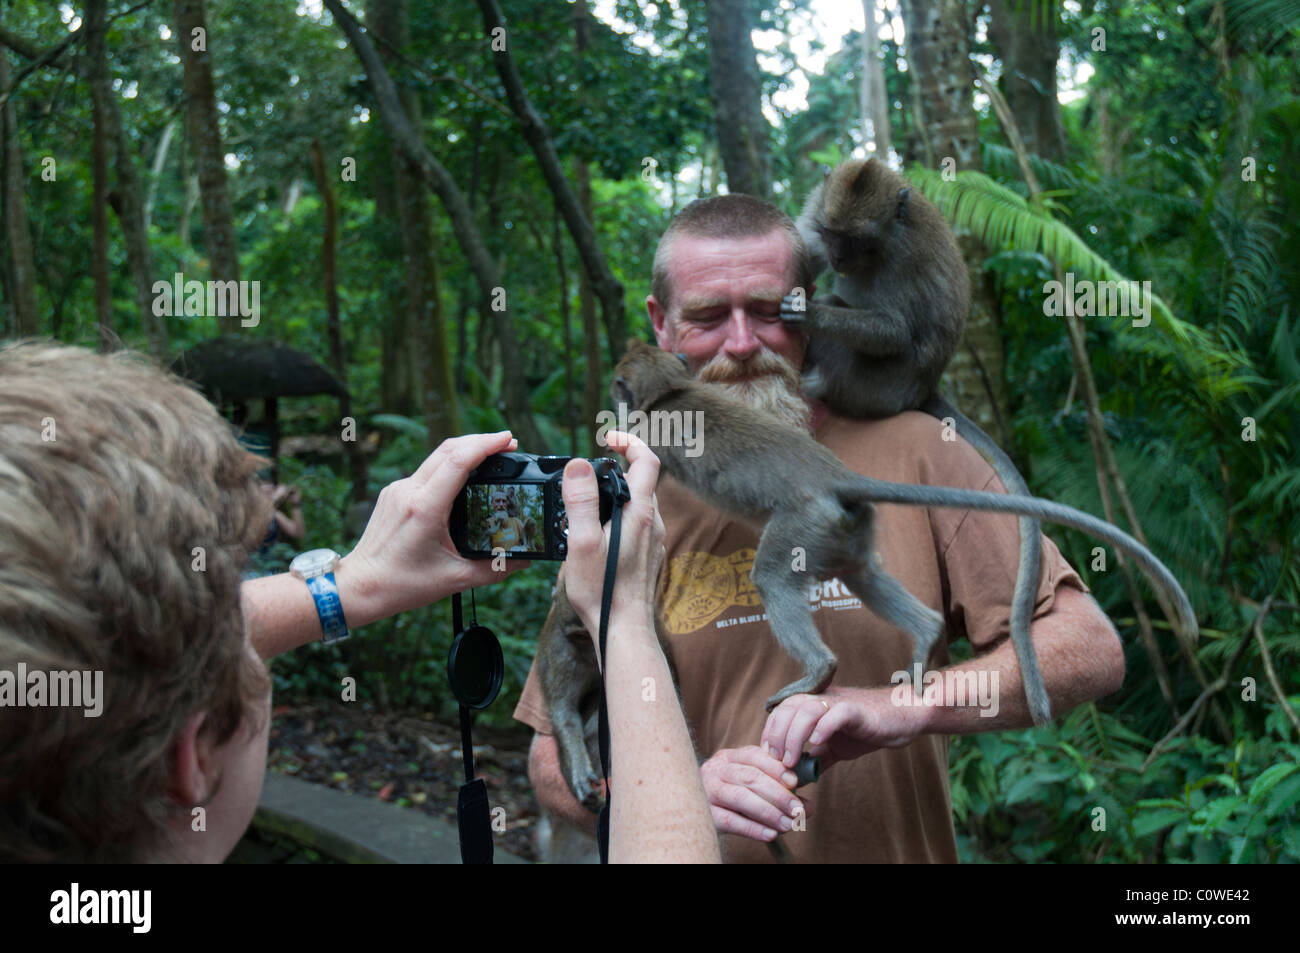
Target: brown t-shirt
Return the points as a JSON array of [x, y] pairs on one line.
[[891, 805]]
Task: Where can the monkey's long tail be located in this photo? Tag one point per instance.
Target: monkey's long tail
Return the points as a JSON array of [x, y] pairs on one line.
[[1031, 555], [878, 491]]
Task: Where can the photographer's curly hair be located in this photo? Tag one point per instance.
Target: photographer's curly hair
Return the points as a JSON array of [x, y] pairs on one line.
[[113, 475]]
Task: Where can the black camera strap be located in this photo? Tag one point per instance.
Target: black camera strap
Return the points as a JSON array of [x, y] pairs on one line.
[[602, 731], [473, 814]]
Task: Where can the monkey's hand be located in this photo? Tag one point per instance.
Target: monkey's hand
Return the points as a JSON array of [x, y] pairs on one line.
[[593, 786], [794, 308], [750, 793], [842, 724]]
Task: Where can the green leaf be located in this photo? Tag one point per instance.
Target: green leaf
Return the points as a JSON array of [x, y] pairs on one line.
[[1291, 841], [1269, 779], [1153, 821], [1020, 791], [1162, 802], [406, 425], [1218, 811], [1284, 797], [1238, 848]]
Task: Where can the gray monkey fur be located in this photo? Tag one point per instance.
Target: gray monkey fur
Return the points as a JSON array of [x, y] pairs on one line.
[[824, 507], [881, 340]]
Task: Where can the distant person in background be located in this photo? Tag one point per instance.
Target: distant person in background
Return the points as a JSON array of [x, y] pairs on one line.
[[290, 526]]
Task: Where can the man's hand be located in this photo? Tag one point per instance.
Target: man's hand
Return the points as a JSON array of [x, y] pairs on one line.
[[750, 793], [841, 724]]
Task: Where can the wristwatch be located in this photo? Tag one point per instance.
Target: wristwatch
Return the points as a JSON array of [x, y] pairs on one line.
[[316, 568]]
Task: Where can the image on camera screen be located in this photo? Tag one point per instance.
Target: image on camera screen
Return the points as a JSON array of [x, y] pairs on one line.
[[506, 516]]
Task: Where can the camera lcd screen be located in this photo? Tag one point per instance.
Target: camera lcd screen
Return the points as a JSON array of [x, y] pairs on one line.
[[508, 516]]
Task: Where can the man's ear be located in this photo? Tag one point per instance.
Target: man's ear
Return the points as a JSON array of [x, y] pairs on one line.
[[194, 768], [659, 319]]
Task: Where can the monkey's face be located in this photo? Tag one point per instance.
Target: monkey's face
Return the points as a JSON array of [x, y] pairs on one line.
[[850, 250], [646, 373], [862, 204]]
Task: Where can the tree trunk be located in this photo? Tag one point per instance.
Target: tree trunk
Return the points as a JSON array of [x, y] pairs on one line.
[[97, 55], [436, 177], [430, 363], [401, 385], [396, 394], [1028, 47], [205, 141], [875, 104], [737, 97], [606, 286], [329, 277], [938, 37], [156, 168], [21, 268], [593, 392], [130, 209], [566, 331]]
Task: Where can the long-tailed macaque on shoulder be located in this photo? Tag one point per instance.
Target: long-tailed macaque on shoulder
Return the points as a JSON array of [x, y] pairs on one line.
[[880, 341], [797, 494]]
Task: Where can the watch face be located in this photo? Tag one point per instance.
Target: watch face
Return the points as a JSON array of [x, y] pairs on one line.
[[317, 562]]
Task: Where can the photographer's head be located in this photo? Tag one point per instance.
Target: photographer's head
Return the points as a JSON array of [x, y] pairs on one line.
[[127, 513], [720, 272]]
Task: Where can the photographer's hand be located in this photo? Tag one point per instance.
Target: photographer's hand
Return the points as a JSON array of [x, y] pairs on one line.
[[404, 560], [659, 811], [641, 547]]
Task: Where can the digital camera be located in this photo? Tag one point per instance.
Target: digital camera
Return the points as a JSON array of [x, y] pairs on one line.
[[511, 505]]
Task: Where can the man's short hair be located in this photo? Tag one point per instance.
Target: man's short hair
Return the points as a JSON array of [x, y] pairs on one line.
[[728, 216], [127, 513]]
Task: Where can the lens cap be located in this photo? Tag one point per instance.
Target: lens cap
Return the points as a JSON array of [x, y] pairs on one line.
[[475, 667]]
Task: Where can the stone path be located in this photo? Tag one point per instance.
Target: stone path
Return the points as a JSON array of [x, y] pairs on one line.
[[357, 830]]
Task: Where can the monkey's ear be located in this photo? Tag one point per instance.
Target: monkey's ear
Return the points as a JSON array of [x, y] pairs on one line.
[[903, 195]]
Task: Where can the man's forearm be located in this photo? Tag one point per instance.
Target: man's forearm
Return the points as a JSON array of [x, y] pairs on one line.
[[1079, 654], [551, 789]]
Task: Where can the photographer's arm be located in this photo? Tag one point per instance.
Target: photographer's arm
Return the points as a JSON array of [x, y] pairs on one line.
[[404, 560], [660, 812]]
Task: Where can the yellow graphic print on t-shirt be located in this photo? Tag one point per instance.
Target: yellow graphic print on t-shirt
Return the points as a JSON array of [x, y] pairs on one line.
[[701, 587]]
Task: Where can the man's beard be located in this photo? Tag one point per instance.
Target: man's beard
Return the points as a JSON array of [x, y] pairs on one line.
[[766, 381]]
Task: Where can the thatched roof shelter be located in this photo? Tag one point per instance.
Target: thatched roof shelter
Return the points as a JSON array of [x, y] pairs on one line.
[[232, 371]]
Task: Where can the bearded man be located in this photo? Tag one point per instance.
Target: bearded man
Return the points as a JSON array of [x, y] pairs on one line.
[[720, 272]]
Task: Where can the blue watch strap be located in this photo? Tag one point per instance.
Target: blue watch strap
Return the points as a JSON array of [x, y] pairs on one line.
[[326, 593]]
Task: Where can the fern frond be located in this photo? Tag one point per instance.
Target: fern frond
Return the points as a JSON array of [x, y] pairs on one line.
[[1002, 219]]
